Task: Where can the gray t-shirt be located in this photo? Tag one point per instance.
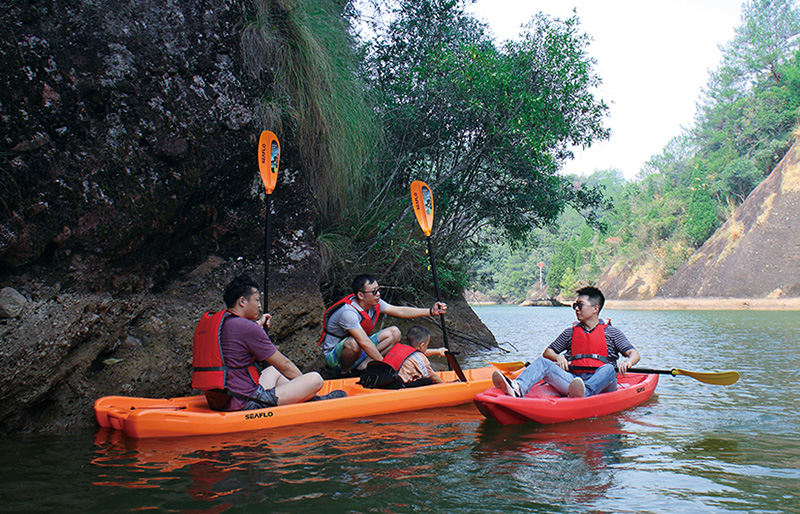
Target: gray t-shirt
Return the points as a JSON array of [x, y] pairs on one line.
[[343, 319]]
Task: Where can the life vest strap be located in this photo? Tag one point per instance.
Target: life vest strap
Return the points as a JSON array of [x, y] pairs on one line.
[[601, 358]]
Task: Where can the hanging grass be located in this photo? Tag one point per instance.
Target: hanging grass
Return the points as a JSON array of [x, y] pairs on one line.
[[302, 54]]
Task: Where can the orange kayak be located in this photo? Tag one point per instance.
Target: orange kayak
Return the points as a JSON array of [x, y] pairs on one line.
[[176, 417], [543, 404]]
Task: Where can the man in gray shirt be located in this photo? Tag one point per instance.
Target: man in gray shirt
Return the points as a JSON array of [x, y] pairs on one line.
[[347, 325]]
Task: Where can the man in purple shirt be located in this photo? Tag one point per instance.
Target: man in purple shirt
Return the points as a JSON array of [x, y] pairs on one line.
[[243, 339]]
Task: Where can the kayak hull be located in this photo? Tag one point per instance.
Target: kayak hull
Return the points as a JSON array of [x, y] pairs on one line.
[[544, 405], [187, 416]]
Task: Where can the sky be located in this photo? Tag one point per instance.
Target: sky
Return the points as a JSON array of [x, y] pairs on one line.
[[653, 56]]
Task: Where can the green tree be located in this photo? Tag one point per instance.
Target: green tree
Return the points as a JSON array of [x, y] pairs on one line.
[[737, 179], [765, 39], [751, 100], [743, 128], [565, 260], [489, 127], [701, 217], [486, 126]]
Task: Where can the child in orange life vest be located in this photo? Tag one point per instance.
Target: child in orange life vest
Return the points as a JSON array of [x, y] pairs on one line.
[[417, 366]]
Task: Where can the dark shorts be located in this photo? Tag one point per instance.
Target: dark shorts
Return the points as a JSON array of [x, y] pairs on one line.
[[266, 396]]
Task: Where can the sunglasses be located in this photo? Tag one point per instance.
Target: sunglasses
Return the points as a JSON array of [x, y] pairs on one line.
[[580, 305], [374, 292]]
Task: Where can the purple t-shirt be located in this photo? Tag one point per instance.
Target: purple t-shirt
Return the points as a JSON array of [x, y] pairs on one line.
[[242, 341]]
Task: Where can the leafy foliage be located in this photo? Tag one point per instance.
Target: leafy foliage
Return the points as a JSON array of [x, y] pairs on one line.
[[486, 126]]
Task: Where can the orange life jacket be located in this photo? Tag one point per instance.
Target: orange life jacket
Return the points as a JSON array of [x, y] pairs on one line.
[[207, 361], [398, 354], [367, 323], [589, 349]]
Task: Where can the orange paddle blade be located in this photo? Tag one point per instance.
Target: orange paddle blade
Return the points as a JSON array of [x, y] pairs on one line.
[[508, 366], [269, 156], [422, 200]]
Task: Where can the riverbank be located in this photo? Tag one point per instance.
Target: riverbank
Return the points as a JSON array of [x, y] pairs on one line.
[[707, 304], [700, 304]]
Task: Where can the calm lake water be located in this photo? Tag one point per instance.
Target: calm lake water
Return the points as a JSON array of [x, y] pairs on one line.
[[692, 448]]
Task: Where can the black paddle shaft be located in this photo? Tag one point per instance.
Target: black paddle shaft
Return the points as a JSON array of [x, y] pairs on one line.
[[267, 235], [436, 289], [645, 371]]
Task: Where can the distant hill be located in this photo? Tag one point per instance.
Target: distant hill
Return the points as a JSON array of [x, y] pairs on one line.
[[756, 253]]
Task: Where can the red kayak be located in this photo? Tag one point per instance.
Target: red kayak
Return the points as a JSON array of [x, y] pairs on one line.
[[543, 404]]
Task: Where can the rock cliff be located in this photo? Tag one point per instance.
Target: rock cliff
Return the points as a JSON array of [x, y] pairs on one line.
[[130, 197], [756, 253]]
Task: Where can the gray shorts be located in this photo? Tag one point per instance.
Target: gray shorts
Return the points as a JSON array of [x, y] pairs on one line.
[[266, 396]]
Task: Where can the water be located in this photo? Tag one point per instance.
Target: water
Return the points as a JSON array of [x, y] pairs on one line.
[[692, 448]]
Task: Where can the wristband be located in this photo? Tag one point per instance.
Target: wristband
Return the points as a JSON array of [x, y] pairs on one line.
[[431, 311]]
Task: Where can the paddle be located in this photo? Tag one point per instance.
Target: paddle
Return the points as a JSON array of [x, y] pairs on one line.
[[269, 156], [454, 365], [508, 367], [707, 377], [422, 201]]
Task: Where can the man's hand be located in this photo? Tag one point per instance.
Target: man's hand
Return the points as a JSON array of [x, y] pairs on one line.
[[438, 309], [633, 358], [264, 320]]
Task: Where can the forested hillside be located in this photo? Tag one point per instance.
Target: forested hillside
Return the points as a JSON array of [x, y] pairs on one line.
[[744, 125]]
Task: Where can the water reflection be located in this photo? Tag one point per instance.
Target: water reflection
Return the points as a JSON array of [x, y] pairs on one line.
[[360, 459], [571, 460]]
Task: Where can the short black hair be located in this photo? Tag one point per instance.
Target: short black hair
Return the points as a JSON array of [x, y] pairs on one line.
[[417, 335], [594, 294], [240, 286], [360, 281]]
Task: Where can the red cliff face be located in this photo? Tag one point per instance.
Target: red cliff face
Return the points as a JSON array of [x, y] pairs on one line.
[[756, 253]]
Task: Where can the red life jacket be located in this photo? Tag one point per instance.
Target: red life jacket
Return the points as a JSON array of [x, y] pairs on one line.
[[367, 323], [398, 354], [589, 349], [207, 361]]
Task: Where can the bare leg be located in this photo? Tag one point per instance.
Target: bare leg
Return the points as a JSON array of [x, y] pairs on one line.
[[350, 353], [271, 377], [387, 338], [299, 389]]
